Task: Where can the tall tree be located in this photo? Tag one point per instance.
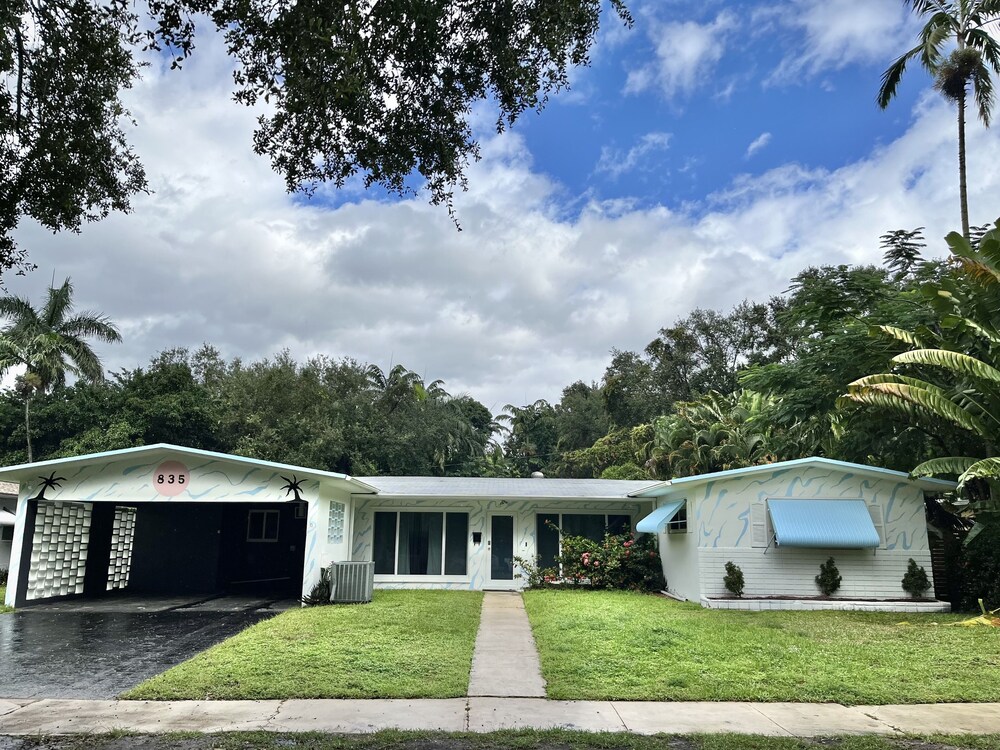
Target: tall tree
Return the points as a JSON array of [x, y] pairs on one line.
[[976, 53], [50, 343], [379, 90]]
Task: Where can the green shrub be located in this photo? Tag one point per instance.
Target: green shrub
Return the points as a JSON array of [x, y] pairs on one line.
[[319, 595], [3, 577], [980, 570], [619, 561], [915, 581], [829, 578], [733, 579], [534, 576]]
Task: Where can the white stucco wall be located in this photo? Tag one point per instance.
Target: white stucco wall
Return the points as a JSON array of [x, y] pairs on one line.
[[720, 518], [477, 577], [679, 554], [326, 543]]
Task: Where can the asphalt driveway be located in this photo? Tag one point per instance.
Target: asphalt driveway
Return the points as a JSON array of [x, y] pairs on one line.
[[62, 653]]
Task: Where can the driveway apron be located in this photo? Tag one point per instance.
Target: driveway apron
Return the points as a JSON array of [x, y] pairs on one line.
[[505, 661], [65, 654]]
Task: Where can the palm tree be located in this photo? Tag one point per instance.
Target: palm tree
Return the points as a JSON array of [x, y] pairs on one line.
[[976, 53], [50, 344], [951, 374]]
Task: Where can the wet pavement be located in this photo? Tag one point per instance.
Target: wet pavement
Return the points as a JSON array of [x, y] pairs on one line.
[[61, 653]]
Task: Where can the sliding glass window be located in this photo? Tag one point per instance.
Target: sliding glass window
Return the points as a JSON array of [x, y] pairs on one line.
[[421, 544]]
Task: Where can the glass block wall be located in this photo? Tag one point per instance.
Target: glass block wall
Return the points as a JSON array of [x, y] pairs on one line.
[[122, 535], [59, 549], [335, 531]]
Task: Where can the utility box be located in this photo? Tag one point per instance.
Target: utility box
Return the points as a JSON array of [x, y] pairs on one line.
[[351, 582]]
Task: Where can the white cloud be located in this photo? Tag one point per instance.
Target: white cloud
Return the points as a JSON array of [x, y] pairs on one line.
[[615, 162], [757, 144], [522, 302], [686, 54], [832, 34]]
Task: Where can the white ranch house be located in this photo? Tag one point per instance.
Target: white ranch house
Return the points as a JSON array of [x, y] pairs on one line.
[[167, 520]]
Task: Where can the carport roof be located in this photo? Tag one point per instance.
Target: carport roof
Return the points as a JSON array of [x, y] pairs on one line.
[[22, 471]]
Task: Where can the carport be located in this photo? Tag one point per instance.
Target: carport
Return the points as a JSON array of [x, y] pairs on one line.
[[168, 521]]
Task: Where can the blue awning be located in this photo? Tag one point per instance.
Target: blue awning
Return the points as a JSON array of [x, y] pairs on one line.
[[657, 521], [823, 524]]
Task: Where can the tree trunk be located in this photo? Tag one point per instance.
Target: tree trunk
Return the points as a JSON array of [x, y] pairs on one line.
[[963, 190], [27, 425]]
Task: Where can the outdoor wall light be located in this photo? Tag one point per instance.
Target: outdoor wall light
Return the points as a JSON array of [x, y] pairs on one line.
[[477, 537]]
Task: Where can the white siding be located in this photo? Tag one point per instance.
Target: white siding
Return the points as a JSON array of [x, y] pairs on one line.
[[867, 574]]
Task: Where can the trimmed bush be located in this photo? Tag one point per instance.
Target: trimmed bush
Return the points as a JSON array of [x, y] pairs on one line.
[[829, 578], [915, 581], [733, 579]]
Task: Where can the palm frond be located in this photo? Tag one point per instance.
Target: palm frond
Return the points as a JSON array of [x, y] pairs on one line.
[[18, 310], [58, 302], [91, 325], [893, 75]]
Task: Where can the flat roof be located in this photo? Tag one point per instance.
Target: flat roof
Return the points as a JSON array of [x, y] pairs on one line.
[[488, 487], [672, 486]]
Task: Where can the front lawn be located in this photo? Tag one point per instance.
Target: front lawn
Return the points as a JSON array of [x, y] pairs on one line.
[[617, 645], [405, 644], [3, 608]]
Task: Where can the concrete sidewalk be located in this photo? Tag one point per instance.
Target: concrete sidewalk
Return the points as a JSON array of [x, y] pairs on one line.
[[45, 717], [505, 661]]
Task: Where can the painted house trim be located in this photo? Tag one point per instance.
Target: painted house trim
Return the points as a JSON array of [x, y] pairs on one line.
[[681, 484]]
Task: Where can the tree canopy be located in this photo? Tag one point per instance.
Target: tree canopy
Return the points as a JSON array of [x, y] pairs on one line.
[[379, 90]]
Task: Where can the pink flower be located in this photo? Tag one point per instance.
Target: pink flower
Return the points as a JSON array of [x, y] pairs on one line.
[[629, 543]]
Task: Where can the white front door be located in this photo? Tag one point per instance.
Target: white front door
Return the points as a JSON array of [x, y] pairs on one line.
[[500, 547]]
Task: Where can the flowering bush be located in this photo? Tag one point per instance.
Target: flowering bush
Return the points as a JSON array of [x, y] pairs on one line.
[[620, 561]]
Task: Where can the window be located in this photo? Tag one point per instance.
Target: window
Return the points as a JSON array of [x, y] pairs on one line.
[[421, 544], [679, 523], [6, 533], [262, 525], [590, 525]]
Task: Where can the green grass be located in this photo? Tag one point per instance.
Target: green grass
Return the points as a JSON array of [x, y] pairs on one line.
[[616, 645], [3, 608], [405, 644], [524, 739]]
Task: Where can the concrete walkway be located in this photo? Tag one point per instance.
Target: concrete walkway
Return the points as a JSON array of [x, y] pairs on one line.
[[505, 661], [44, 717]]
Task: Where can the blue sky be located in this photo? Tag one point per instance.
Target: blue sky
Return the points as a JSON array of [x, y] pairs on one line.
[[708, 155]]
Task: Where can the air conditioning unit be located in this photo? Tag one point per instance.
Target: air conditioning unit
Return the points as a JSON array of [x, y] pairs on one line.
[[351, 582]]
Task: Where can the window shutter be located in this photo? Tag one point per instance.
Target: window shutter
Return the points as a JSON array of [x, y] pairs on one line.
[[875, 511], [758, 525]]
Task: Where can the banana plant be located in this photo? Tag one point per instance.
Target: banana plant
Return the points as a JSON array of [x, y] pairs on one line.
[[952, 371]]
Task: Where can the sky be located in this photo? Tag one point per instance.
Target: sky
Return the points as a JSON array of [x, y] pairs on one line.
[[707, 155]]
